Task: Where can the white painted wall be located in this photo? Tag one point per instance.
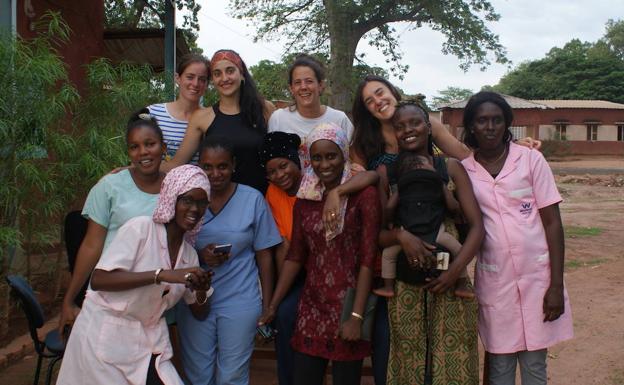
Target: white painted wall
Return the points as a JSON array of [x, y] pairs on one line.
[[607, 133]]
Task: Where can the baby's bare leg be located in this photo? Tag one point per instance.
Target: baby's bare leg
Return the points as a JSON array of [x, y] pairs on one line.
[[388, 271]]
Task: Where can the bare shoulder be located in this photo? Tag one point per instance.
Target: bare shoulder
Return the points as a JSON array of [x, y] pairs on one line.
[[202, 119], [455, 167]]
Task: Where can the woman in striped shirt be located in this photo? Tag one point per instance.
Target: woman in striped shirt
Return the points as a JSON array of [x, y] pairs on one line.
[[191, 76]]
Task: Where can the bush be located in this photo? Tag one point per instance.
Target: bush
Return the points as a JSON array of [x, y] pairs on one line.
[[557, 146], [54, 145]]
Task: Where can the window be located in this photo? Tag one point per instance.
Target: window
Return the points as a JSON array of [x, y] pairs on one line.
[[560, 131], [518, 132], [620, 133], [592, 132]]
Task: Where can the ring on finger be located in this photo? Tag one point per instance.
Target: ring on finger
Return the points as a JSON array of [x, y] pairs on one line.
[[188, 277]]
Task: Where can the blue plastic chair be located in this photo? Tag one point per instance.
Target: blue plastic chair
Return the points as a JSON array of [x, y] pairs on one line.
[[53, 345]]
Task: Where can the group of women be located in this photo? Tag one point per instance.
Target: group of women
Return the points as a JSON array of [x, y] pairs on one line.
[[282, 223]]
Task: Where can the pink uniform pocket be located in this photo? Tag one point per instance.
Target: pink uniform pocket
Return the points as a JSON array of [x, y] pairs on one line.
[[119, 342]]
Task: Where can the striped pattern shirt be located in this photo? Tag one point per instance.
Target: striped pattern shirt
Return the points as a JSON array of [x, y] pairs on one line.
[[173, 130]]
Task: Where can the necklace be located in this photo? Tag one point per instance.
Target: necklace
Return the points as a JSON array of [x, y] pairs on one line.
[[490, 162]]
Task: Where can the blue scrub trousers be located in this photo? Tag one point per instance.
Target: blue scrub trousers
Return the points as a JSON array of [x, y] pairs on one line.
[[218, 349]]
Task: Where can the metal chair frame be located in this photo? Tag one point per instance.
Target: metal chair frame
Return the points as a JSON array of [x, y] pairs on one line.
[[34, 314]]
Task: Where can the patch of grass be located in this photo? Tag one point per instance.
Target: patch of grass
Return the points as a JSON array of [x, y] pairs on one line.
[[579, 231], [575, 263], [617, 378]]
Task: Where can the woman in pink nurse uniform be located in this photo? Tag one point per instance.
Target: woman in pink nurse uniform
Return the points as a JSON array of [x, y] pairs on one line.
[[120, 336], [523, 304]]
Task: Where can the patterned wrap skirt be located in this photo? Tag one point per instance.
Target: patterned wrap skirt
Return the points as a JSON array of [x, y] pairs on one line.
[[452, 324]]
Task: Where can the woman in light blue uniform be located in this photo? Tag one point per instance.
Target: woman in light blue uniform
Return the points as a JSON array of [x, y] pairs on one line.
[[218, 349]]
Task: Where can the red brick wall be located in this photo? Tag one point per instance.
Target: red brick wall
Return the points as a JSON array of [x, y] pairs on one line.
[[579, 147], [86, 20]]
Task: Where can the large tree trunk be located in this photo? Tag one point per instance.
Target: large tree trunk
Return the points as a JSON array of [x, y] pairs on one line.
[[344, 38]]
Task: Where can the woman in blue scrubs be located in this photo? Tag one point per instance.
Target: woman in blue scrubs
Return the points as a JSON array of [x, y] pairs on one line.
[[218, 349]]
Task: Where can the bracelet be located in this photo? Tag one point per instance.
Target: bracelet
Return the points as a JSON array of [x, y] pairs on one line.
[[156, 274], [358, 316], [197, 301], [208, 295]]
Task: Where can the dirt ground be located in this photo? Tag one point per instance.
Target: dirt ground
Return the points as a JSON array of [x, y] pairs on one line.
[[593, 216]]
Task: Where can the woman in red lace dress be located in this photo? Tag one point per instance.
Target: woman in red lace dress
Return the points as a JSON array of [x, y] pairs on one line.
[[335, 260]]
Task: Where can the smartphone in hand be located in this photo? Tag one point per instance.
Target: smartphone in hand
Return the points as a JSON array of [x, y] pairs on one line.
[[266, 331], [222, 249]]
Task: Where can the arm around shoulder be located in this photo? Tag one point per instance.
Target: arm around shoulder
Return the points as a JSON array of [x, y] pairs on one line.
[[197, 126], [447, 142]]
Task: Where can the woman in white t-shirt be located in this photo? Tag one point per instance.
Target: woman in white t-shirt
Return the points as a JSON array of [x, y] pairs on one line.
[[306, 81], [191, 76]]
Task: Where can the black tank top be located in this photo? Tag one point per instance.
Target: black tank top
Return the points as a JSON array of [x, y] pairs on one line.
[[246, 140]]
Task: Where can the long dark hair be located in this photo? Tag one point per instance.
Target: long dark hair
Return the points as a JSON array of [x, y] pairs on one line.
[[367, 138], [252, 103], [470, 111]]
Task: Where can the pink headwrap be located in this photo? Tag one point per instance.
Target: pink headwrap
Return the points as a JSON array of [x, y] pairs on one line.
[[177, 182], [229, 55], [311, 187]]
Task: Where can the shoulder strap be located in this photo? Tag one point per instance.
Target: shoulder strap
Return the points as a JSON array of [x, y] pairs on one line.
[[439, 163]]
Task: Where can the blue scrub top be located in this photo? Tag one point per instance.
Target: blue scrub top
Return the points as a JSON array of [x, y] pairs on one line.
[[246, 222]]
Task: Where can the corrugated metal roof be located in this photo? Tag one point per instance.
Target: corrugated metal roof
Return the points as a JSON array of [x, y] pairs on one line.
[[603, 104], [513, 101], [516, 103]]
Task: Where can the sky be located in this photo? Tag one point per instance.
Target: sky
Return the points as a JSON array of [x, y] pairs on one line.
[[528, 29]]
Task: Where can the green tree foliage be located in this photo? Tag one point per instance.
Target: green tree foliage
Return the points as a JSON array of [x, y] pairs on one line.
[[151, 14], [614, 37], [451, 94], [337, 26], [35, 98], [54, 146], [271, 79], [114, 93], [579, 70], [34, 146]]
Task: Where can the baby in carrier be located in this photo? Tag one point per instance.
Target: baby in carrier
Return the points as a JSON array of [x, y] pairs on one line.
[[420, 206]]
